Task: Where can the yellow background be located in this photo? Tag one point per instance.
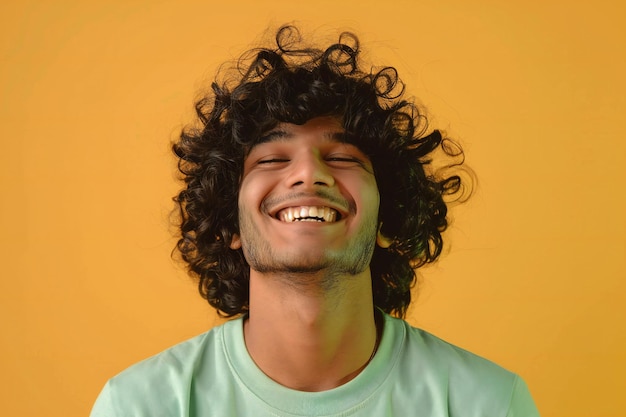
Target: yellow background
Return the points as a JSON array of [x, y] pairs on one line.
[[92, 93]]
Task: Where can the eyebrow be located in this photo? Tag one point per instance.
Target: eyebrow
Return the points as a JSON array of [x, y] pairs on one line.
[[279, 135]]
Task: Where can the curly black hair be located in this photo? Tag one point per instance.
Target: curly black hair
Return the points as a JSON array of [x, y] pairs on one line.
[[293, 83]]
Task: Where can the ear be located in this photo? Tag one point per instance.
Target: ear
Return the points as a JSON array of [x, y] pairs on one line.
[[235, 242], [382, 240]]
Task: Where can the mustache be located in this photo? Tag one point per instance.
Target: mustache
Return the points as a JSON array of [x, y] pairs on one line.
[[333, 199]]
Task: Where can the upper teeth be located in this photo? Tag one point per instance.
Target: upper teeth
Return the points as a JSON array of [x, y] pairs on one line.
[[307, 213]]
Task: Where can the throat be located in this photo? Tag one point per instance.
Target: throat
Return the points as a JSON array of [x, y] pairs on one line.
[[311, 349]]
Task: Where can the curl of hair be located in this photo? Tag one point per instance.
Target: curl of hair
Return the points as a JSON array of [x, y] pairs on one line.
[[293, 83]]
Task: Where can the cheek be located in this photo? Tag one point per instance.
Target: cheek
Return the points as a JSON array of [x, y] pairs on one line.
[[252, 192], [247, 191], [368, 192], [364, 193], [373, 202]]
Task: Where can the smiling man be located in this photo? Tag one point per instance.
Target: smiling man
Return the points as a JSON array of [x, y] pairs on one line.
[[308, 203]]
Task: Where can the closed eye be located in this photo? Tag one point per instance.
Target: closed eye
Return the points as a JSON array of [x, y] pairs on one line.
[[272, 161], [342, 159], [346, 161]]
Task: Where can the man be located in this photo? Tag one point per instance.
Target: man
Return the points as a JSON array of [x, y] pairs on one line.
[[309, 202]]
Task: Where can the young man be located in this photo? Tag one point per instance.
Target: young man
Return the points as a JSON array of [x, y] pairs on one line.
[[309, 202]]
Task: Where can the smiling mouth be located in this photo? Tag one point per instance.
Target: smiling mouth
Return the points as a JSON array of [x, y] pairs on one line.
[[320, 214]]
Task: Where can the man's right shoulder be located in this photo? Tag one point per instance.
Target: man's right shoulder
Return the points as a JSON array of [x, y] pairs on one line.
[[162, 382], [175, 360]]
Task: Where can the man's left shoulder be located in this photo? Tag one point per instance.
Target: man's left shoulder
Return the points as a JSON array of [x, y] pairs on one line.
[[451, 358], [469, 379]]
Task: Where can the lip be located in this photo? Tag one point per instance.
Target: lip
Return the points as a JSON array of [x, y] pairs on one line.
[[312, 201]]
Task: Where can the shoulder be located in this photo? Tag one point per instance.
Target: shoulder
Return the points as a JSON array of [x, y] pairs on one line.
[[471, 383], [420, 346], [173, 362], [458, 362], [163, 380]]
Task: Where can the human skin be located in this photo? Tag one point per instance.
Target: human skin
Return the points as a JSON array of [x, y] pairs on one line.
[[306, 166], [311, 322]]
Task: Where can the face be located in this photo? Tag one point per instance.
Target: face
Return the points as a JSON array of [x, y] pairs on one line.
[[307, 202]]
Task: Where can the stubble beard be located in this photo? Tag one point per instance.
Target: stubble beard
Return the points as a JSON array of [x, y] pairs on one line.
[[322, 268]]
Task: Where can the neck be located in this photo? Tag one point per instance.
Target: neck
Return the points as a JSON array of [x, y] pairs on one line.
[[311, 336]]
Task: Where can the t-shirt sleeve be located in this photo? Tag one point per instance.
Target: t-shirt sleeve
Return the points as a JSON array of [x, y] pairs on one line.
[[522, 404], [103, 407]]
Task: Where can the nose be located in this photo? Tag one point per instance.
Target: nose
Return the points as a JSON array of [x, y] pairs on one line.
[[309, 169]]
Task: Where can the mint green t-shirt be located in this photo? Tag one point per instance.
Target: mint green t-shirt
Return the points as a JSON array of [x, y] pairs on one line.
[[412, 374]]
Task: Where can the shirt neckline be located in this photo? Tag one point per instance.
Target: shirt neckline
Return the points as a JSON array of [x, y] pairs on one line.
[[352, 394]]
